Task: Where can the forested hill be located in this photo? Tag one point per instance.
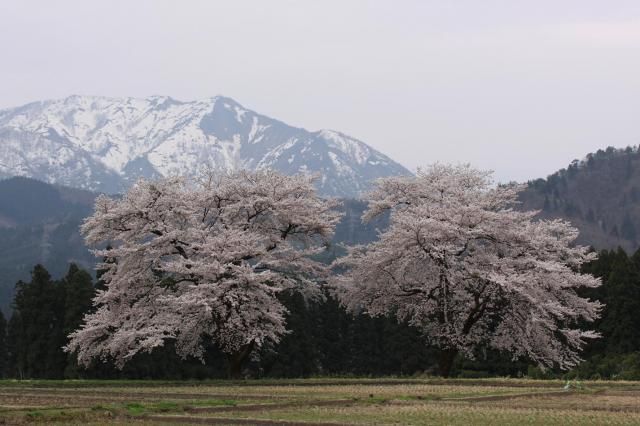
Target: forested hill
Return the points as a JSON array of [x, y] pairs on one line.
[[600, 195], [39, 224], [25, 201]]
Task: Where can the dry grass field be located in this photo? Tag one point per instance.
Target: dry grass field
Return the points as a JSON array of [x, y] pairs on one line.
[[321, 402]]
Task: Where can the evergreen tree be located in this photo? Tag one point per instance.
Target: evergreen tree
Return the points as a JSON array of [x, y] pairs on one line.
[[37, 334], [620, 294], [77, 287], [332, 325], [297, 353], [3, 347], [621, 316], [79, 292], [16, 347]]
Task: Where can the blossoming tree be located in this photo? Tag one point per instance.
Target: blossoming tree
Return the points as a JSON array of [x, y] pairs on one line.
[[191, 261], [471, 272]]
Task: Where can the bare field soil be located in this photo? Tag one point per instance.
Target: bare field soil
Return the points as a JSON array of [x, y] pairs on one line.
[[321, 402]]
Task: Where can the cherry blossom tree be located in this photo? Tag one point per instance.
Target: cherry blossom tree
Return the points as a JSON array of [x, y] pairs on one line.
[[202, 261], [459, 262]]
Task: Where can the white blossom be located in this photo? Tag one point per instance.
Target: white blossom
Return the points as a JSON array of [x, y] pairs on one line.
[[459, 262], [192, 261]]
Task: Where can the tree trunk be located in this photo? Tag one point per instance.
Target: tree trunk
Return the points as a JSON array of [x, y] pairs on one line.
[[447, 356], [236, 360]]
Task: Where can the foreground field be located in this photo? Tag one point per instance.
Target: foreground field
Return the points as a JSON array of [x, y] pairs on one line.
[[321, 401]]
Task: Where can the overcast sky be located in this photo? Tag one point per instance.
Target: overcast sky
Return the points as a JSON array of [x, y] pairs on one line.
[[520, 87]]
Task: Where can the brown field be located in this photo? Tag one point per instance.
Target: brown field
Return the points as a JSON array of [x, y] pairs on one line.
[[321, 401]]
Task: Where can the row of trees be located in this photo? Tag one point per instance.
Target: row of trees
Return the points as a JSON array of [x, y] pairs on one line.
[[45, 312], [324, 339], [191, 265]]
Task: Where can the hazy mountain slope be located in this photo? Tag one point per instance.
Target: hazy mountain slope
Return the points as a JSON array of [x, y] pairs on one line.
[[600, 195], [105, 144], [39, 223]]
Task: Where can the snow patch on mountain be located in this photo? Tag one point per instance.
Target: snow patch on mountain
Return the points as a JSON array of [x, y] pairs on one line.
[[105, 144]]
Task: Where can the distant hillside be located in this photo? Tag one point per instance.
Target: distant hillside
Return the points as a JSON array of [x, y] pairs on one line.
[[39, 223], [25, 201], [600, 195]]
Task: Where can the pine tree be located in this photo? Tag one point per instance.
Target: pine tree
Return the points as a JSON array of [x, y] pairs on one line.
[[332, 328], [16, 347], [296, 355], [3, 347], [78, 294], [37, 333], [622, 305], [620, 295]]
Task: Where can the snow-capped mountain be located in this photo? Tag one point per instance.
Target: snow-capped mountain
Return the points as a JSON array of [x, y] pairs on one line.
[[105, 144]]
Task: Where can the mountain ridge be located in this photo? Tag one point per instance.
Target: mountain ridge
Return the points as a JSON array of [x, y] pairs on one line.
[[600, 195], [105, 144]]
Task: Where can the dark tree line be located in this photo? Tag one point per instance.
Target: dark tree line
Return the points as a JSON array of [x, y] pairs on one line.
[[323, 338], [44, 313], [617, 353]]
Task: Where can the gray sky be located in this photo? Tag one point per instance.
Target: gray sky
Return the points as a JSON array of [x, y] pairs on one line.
[[520, 87]]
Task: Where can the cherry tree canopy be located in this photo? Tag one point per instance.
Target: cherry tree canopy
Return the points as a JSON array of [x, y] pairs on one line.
[[461, 264], [191, 261]]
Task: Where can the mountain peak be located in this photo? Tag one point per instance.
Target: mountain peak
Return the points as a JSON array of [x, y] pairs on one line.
[[105, 144]]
